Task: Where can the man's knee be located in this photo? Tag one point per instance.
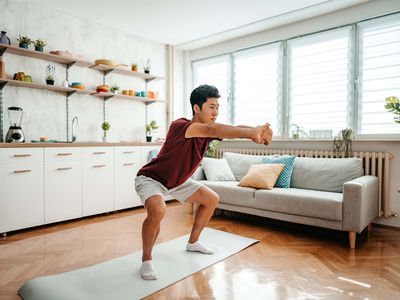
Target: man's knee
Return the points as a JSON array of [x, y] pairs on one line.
[[156, 208], [214, 199]]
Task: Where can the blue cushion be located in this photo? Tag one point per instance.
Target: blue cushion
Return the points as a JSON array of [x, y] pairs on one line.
[[286, 174]]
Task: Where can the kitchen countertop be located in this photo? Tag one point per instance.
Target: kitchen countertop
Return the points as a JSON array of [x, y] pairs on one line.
[[76, 144]]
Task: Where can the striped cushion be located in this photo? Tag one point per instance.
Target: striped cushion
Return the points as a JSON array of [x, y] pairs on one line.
[[286, 175]]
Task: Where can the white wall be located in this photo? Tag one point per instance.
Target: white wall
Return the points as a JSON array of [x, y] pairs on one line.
[[343, 17], [45, 111]]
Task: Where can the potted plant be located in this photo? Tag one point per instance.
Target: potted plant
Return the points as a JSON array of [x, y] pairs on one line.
[[39, 45], [24, 41], [114, 89], [134, 67], [152, 126], [50, 71], [342, 143], [298, 131], [146, 66], [105, 126], [393, 105]]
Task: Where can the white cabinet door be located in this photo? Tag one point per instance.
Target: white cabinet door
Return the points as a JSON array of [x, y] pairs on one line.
[[63, 191], [21, 195], [63, 183], [98, 180], [127, 164]]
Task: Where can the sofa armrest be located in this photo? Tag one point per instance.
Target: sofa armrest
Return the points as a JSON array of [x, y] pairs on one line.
[[360, 203], [199, 174]]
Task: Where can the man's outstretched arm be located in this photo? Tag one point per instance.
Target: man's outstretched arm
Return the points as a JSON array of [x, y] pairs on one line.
[[260, 134]]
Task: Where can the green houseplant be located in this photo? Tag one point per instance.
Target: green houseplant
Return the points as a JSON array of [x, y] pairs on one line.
[[105, 126], [152, 126], [297, 131], [114, 89], [393, 105], [24, 41], [39, 45]]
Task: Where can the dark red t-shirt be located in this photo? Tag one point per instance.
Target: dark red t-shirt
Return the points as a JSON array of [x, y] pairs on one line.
[[178, 158]]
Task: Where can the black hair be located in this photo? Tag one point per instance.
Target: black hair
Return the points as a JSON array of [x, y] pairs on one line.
[[200, 94]]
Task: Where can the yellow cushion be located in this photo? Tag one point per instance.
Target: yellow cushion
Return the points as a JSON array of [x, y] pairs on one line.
[[262, 176]]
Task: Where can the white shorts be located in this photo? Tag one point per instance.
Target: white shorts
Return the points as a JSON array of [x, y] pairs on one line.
[[146, 187]]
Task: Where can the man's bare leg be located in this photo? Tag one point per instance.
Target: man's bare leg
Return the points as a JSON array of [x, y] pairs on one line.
[[207, 201], [156, 208]]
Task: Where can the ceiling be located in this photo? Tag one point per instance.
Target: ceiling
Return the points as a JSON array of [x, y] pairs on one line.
[[190, 24]]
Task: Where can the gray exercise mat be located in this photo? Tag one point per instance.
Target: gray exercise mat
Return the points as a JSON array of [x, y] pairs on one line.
[[119, 278]]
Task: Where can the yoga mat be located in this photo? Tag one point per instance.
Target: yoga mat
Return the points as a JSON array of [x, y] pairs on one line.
[[119, 278]]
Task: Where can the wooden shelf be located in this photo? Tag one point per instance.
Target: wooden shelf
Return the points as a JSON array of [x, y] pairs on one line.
[[42, 86], [125, 72], [120, 96], [44, 56]]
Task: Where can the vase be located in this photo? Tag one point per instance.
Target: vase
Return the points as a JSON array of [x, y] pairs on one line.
[[4, 38], [23, 45], [40, 49], [50, 81]]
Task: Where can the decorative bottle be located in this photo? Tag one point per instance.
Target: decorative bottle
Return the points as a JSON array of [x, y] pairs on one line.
[[4, 38]]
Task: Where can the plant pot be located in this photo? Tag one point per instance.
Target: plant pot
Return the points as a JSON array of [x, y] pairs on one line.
[[114, 92], [147, 71], [50, 81], [148, 138], [296, 136], [134, 69], [23, 45], [40, 49]]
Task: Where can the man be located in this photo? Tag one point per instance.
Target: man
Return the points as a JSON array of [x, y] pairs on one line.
[[169, 173]]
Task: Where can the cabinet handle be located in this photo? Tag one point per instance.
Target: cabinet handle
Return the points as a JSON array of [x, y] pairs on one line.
[[22, 155], [22, 171], [99, 166], [128, 152], [64, 154], [128, 164], [100, 152], [63, 169]]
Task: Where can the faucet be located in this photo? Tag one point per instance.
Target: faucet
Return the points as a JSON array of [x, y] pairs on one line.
[[73, 121]]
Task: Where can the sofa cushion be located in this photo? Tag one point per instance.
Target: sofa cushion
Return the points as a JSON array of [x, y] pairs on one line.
[[262, 176], [309, 203], [217, 169], [240, 163], [230, 192], [286, 175], [325, 174]]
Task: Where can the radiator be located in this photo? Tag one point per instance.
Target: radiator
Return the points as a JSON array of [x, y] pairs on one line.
[[374, 163]]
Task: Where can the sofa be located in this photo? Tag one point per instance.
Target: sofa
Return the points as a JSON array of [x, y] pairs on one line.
[[324, 192]]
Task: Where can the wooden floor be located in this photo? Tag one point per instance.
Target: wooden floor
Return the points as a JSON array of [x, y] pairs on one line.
[[290, 261]]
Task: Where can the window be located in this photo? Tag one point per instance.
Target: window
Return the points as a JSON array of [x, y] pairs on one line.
[[257, 91], [323, 82], [318, 81], [379, 74], [215, 72]]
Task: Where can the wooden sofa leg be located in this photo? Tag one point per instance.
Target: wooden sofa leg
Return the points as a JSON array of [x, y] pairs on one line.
[[369, 227], [352, 239]]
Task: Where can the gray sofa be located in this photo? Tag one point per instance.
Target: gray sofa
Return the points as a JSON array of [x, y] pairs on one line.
[[324, 192]]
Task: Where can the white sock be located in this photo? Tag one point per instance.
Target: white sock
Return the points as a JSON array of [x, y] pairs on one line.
[[148, 271], [199, 247]]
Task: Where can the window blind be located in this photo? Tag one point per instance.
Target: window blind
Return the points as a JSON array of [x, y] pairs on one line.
[[216, 72], [318, 81], [257, 86], [379, 74]]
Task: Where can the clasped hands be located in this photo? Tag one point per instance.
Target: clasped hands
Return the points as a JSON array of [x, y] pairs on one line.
[[263, 134]]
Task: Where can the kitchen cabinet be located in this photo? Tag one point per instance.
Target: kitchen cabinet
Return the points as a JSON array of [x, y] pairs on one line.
[[127, 164], [98, 180], [22, 188], [63, 184]]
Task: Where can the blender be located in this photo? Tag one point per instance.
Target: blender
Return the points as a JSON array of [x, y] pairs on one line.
[[15, 133]]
